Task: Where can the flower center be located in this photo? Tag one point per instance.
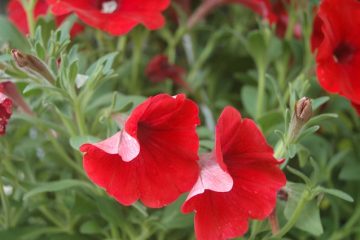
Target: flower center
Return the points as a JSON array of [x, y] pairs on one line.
[[343, 53], [107, 6]]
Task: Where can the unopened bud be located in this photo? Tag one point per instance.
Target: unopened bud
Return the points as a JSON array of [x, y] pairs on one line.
[[302, 114], [303, 109], [32, 64]]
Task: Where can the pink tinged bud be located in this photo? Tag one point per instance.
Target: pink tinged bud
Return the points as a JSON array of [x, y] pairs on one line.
[[302, 114], [32, 64], [303, 109]]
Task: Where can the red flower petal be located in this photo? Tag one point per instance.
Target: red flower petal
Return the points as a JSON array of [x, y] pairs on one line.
[[164, 127], [337, 43], [159, 69], [356, 107], [114, 16], [5, 112], [257, 178]]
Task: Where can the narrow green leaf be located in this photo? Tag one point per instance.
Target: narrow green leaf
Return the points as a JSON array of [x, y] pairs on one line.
[[56, 186], [9, 34], [338, 193]]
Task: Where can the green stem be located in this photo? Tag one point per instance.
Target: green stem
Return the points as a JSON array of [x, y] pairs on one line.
[[29, 8], [65, 157], [121, 47], [51, 217], [114, 231], [348, 228], [295, 216], [5, 205], [80, 119], [261, 91], [138, 40], [255, 227]]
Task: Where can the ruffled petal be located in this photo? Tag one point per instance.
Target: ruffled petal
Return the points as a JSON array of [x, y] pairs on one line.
[[212, 177], [109, 171]]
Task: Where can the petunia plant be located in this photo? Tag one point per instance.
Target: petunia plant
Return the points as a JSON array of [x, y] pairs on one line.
[[160, 119]]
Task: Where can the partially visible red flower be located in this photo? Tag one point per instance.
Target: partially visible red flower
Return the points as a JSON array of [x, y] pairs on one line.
[[10, 90], [185, 5], [274, 12], [239, 180], [5, 112], [154, 158], [337, 41], [159, 69], [116, 17], [356, 107], [17, 16], [282, 19], [261, 7]]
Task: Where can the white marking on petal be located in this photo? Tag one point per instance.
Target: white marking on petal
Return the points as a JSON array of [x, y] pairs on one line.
[[109, 7], [212, 177], [129, 147]]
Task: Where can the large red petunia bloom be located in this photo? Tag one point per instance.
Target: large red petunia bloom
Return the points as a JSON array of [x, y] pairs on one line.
[[116, 17], [5, 111], [337, 41], [154, 158], [239, 180], [17, 16]]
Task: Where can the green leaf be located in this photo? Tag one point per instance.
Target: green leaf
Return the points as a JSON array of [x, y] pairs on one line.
[[338, 193], [141, 208], [350, 172], [249, 99], [77, 141], [9, 34], [316, 103], [90, 227], [110, 210], [320, 118], [309, 219], [257, 47], [308, 131], [270, 120], [56, 186]]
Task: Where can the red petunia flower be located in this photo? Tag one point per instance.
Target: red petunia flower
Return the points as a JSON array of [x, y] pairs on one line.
[[154, 158], [10, 90], [239, 180], [337, 41], [159, 69], [17, 16], [282, 19], [261, 7], [116, 17], [5, 111]]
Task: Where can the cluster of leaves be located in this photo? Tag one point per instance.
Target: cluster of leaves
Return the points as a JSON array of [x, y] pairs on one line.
[[231, 61]]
